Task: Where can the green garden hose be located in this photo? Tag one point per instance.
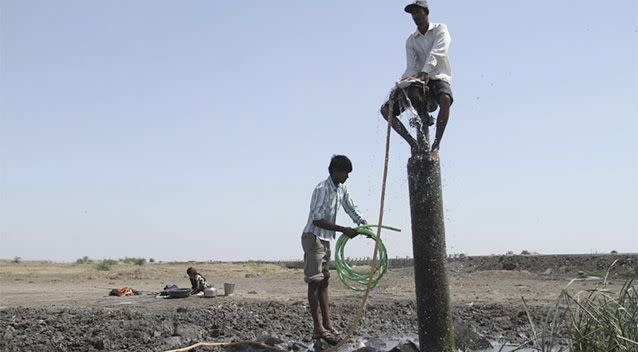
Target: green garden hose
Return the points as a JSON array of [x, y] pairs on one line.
[[353, 279]]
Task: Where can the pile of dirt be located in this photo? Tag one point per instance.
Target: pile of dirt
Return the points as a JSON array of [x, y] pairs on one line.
[[561, 264], [538, 263], [141, 329]]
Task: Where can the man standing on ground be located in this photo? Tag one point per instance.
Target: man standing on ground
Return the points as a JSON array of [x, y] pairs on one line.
[[428, 67], [315, 240]]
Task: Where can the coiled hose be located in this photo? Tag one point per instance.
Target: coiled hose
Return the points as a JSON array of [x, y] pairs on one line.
[[352, 278]]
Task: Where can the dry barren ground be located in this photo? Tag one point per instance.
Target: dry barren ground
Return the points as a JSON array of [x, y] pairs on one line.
[[38, 284], [52, 306]]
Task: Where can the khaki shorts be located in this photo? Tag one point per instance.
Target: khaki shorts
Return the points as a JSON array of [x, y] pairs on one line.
[[316, 256]]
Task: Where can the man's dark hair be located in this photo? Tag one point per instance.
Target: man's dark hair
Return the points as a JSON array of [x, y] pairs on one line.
[[340, 163]]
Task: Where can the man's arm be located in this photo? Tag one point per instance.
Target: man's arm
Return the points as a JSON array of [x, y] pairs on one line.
[[439, 49], [410, 58], [351, 208], [325, 224]]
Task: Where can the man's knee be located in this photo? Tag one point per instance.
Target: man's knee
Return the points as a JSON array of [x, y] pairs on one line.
[[445, 101], [385, 110]]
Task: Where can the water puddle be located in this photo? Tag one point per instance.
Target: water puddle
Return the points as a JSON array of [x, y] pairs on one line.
[[387, 343], [506, 348]]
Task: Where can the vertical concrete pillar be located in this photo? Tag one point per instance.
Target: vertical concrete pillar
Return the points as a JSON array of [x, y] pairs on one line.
[[436, 332]]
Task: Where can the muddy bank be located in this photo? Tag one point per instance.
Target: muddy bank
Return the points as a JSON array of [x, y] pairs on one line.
[[142, 329]]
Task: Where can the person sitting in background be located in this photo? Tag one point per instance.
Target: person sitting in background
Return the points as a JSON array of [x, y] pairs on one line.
[[198, 282]]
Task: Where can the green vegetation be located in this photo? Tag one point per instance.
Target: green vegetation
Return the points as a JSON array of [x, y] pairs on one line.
[[590, 320], [623, 273], [631, 273], [84, 260], [17, 259], [525, 252], [136, 261], [105, 264]]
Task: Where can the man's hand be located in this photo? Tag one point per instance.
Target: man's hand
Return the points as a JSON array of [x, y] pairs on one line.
[[423, 76], [414, 78], [350, 232], [363, 222]]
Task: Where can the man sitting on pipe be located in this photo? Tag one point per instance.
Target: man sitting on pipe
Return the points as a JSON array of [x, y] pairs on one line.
[[427, 77]]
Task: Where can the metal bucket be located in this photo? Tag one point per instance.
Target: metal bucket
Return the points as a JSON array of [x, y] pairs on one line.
[[229, 289], [210, 292]]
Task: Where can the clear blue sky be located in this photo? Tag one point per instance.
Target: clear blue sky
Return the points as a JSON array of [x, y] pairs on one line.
[[197, 130]]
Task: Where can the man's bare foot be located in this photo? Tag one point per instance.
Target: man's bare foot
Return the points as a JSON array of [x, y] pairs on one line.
[[433, 155], [326, 336]]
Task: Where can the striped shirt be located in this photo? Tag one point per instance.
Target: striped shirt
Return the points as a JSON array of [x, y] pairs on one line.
[[325, 200], [198, 283]]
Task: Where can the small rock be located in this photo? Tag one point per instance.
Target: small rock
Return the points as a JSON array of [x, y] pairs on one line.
[[365, 349], [167, 328], [97, 343], [509, 266], [270, 340], [252, 292], [190, 331], [376, 343], [214, 333], [321, 345], [408, 346], [467, 339], [174, 342], [182, 310], [296, 346]]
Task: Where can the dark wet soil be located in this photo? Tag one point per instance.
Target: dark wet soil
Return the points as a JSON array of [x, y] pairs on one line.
[[138, 329]]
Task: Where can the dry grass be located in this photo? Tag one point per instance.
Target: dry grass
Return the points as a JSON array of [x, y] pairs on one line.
[[590, 320]]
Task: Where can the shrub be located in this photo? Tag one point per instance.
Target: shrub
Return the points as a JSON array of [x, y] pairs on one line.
[[84, 260], [136, 261], [17, 259], [630, 273], [525, 252], [151, 260], [105, 264]]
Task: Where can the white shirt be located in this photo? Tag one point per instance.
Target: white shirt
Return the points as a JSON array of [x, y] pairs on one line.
[[428, 53], [325, 200]]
